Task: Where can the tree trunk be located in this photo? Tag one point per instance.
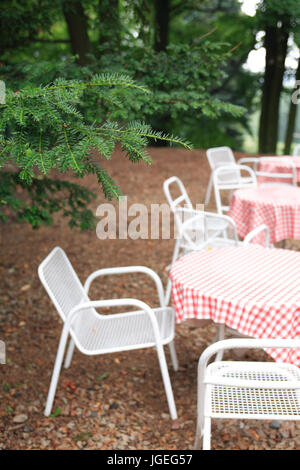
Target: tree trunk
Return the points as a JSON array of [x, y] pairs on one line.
[[161, 39], [78, 30], [291, 120], [161, 24], [110, 26], [276, 49]]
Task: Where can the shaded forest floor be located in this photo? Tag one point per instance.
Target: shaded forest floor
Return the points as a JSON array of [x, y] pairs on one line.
[[114, 401]]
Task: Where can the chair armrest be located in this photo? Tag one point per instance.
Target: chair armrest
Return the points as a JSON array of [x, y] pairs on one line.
[[127, 270], [205, 217], [204, 214], [262, 228], [287, 162], [239, 183], [236, 343], [253, 160], [114, 303]]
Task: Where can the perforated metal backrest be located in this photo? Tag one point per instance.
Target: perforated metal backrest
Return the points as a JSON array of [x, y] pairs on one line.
[[220, 156], [178, 203], [182, 200], [61, 282], [296, 152], [232, 175]]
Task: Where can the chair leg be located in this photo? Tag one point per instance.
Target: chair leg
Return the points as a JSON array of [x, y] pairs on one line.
[[174, 258], [206, 433], [198, 438], [219, 337], [173, 355], [208, 191], [56, 371], [69, 354], [168, 292], [166, 380], [201, 394], [218, 200]]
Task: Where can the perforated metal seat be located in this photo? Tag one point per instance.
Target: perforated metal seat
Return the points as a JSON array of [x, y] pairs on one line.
[[120, 332], [97, 333], [246, 390], [234, 399], [217, 157]]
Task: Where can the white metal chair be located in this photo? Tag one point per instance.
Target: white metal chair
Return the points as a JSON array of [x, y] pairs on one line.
[[226, 237], [289, 177], [296, 152], [183, 210], [231, 178], [197, 229], [94, 333], [217, 156], [245, 390]]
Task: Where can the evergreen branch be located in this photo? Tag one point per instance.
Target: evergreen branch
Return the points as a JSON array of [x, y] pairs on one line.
[[150, 135], [100, 80], [40, 152], [70, 150]]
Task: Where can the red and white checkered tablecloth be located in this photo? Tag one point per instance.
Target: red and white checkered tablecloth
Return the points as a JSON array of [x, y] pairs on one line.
[[254, 290], [276, 206], [278, 165]]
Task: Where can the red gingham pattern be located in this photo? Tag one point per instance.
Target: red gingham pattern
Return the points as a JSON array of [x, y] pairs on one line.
[[278, 165], [254, 290], [276, 206]]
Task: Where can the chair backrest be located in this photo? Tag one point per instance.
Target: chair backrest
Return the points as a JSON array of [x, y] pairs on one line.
[[252, 162], [61, 282], [179, 202], [288, 177], [265, 177], [220, 156], [296, 152], [226, 177], [219, 226]]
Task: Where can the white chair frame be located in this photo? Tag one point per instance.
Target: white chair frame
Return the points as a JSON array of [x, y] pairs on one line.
[[229, 160], [87, 306], [237, 183], [183, 239], [215, 242], [271, 376], [185, 244], [211, 227], [296, 152], [292, 175]]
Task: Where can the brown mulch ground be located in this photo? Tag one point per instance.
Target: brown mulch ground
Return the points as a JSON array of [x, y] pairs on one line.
[[114, 401]]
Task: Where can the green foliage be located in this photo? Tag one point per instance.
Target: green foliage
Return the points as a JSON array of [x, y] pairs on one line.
[[42, 129], [21, 21], [181, 78], [220, 21], [56, 111], [56, 413], [273, 11], [195, 77], [37, 202]]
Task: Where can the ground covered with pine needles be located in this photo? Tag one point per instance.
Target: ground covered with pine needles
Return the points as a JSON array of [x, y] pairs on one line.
[[114, 401]]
